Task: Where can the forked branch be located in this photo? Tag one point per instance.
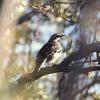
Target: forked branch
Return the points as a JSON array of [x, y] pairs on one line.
[[64, 66]]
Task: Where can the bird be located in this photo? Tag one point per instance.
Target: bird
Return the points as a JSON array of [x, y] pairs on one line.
[[50, 52]]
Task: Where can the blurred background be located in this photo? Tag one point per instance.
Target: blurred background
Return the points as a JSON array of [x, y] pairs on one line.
[[26, 25]]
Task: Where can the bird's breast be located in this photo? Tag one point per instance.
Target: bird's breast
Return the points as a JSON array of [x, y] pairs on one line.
[[57, 54], [55, 57]]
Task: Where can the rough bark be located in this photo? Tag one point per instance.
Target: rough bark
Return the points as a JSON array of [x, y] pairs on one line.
[[69, 84]]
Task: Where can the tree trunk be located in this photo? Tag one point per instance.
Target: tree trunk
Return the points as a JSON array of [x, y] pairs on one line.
[[7, 34], [70, 84]]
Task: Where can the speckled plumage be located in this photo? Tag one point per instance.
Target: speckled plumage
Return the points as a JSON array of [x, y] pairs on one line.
[[50, 52]]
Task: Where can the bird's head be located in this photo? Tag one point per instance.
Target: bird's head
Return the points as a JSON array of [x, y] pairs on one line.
[[56, 37]]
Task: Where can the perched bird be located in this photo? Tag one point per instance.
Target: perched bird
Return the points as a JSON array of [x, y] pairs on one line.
[[50, 52]]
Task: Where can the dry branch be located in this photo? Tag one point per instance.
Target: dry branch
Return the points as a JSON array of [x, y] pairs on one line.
[[64, 66]]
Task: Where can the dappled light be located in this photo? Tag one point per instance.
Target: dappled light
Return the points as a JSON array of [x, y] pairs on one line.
[[26, 26]]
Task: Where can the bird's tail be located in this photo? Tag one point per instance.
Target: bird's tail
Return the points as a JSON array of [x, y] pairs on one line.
[[37, 66]]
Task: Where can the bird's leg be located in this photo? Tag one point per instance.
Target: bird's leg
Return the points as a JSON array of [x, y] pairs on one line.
[[50, 64]]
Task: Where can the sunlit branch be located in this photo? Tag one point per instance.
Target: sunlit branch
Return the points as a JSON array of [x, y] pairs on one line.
[[64, 66], [96, 80]]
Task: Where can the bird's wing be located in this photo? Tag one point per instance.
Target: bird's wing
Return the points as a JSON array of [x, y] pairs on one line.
[[47, 51], [44, 51]]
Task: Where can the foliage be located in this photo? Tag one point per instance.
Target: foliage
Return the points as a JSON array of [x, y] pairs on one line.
[[36, 21]]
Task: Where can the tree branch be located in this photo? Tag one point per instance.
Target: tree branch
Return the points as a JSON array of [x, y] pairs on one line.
[[82, 53], [64, 66], [96, 80], [55, 69]]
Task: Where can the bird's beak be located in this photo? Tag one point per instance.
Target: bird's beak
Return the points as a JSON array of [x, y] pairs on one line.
[[62, 35]]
